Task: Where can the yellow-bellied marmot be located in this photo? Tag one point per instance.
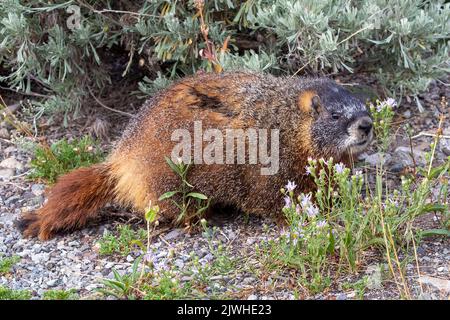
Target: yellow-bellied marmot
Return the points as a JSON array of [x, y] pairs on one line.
[[311, 117]]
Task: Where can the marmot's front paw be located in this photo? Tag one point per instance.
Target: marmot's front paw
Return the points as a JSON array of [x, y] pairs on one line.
[[29, 225]]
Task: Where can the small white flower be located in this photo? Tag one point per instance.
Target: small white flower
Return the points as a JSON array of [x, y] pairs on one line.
[[358, 174], [306, 201], [291, 186], [381, 106], [308, 170], [320, 224], [285, 233], [312, 211], [391, 102], [287, 202], [339, 167]]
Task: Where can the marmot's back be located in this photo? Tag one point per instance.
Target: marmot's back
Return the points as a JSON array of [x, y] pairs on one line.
[[245, 133]]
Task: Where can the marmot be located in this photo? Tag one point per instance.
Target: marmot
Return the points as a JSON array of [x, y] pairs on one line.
[[315, 117]]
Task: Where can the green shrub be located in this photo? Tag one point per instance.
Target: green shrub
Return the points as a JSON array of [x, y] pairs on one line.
[[123, 243], [191, 205], [405, 43], [60, 295], [7, 263], [63, 156], [10, 294]]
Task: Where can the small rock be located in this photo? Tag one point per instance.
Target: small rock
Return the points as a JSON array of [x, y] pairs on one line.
[[403, 155], [4, 134], [39, 258], [10, 149], [341, 296], [407, 114], [362, 156], [7, 219], [248, 280], [6, 173], [74, 243], [377, 158], [425, 296], [130, 258], [440, 269], [11, 163], [179, 263], [445, 145], [91, 287], [12, 200], [446, 150], [396, 167], [252, 297], [250, 241], [173, 234], [53, 283], [440, 284], [37, 189]]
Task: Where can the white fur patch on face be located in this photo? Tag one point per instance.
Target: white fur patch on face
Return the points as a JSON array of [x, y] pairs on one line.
[[349, 110], [357, 141]]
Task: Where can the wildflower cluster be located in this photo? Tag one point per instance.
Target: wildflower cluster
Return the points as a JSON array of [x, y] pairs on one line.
[[313, 231], [382, 113]]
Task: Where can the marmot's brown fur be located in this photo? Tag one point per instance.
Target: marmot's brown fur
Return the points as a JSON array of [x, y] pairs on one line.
[[315, 118]]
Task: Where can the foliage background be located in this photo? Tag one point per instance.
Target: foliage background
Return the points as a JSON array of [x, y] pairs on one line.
[[404, 43]]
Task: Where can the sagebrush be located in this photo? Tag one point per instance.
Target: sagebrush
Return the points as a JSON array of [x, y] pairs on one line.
[[405, 43]]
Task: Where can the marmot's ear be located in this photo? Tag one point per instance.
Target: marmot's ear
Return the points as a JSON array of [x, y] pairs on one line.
[[316, 105], [309, 102]]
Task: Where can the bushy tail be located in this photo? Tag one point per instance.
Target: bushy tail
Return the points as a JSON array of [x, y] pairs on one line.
[[72, 201]]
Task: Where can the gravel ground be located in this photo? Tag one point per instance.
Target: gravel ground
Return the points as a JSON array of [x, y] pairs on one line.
[[73, 261]]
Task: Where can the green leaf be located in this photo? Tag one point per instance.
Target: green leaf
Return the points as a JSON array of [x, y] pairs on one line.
[[197, 195], [151, 213], [431, 207], [439, 170], [167, 195], [136, 265], [173, 166], [139, 244], [376, 241], [188, 184], [330, 248], [435, 232]]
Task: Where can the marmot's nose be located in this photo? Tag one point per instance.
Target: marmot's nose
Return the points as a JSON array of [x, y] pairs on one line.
[[365, 125]]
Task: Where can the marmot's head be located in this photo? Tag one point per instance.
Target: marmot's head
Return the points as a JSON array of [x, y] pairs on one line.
[[340, 123]]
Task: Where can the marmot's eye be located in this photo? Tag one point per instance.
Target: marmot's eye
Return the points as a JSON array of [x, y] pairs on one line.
[[335, 116]]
